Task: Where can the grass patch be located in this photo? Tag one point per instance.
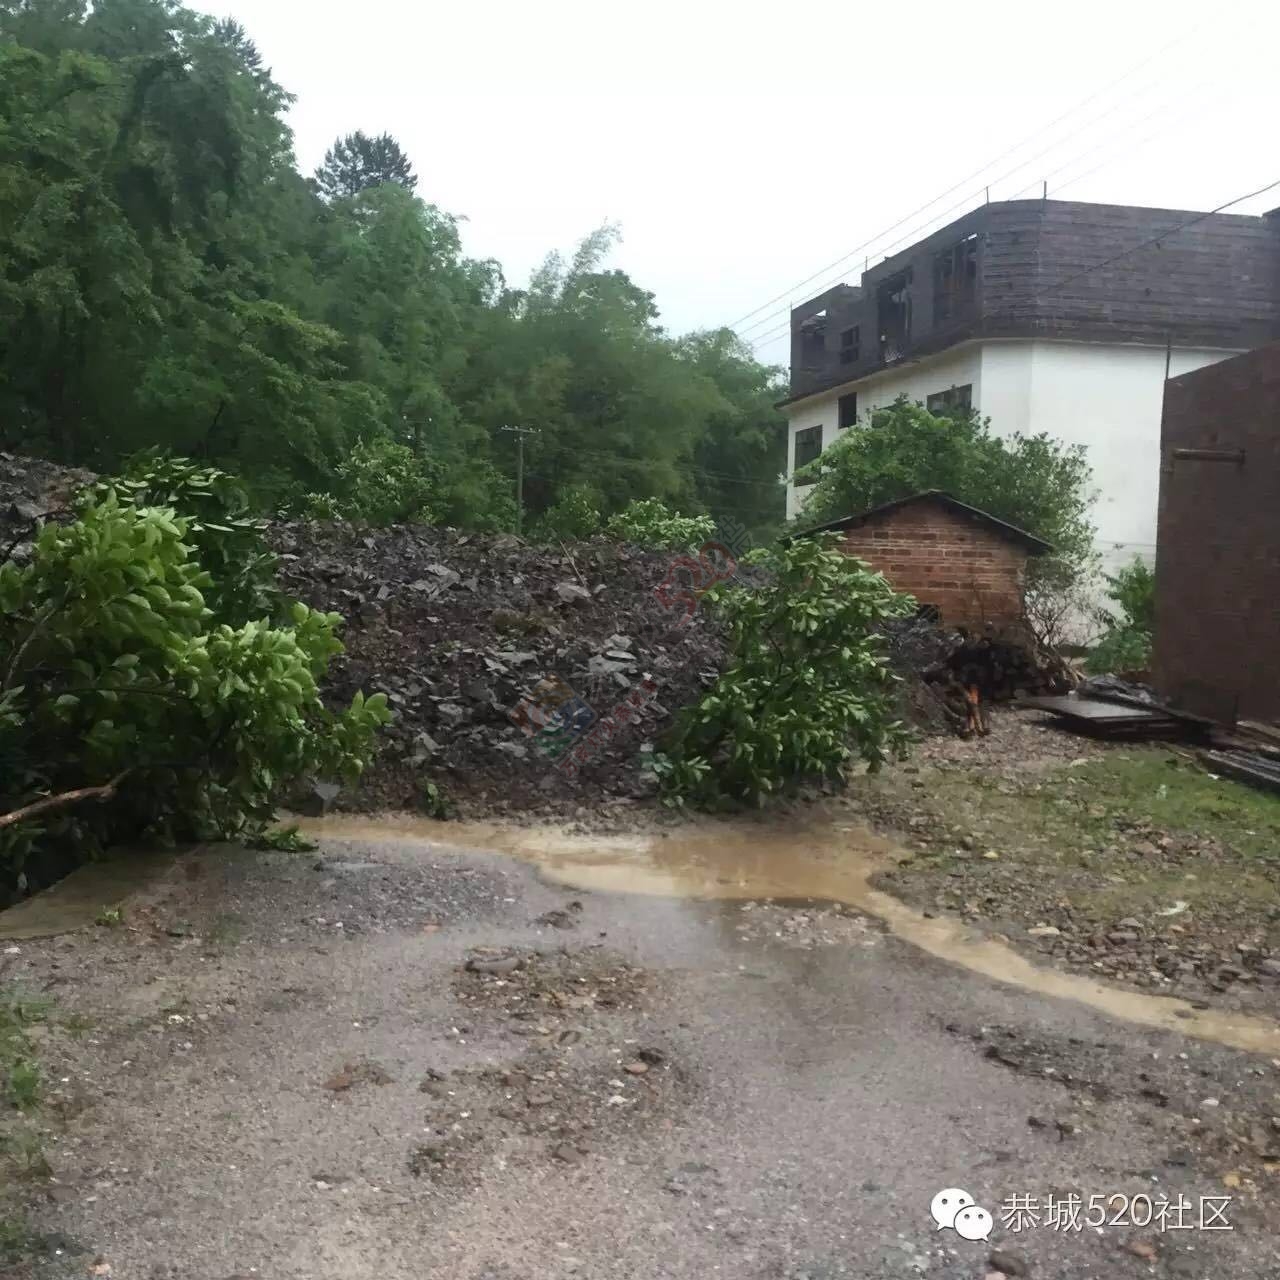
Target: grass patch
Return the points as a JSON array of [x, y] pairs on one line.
[[17, 1240], [21, 1145], [1134, 830], [282, 840], [1165, 790], [19, 1072]]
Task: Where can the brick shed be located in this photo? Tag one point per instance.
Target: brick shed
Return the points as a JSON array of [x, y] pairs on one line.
[[1217, 629], [966, 563]]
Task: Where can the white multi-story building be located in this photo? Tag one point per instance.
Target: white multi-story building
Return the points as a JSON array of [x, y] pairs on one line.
[[1045, 316]]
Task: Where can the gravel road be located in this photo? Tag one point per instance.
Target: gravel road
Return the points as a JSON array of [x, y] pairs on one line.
[[399, 1057]]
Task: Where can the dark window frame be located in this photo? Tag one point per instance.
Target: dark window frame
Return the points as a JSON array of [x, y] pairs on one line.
[[954, 400], [893, 315], [813, 341], [846, 419], [850, 344], [805, 438], [955, 280]]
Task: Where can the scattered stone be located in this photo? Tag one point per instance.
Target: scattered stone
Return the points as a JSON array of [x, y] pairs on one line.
[[1009, 1263], [354, 1073], [1141, 1249], [1044, 931], [558, 919], [494, 965], [427, 1158]]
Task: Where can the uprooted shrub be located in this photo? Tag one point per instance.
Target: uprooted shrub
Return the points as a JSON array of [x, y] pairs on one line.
[[806, 690], [228, 540], [127, 709]]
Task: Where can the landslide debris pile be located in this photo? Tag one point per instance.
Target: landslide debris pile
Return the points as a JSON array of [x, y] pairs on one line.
[[31, 488], [458, 629]]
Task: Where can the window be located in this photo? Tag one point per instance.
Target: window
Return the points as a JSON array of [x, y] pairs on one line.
[[850, 348], [893, 308], [808, 447], [955, 280], [954, 400], [848, 410], [813, 341]]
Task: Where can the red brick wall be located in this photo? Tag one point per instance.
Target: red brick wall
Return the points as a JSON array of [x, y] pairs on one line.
[[1217, 634], [968, 571]]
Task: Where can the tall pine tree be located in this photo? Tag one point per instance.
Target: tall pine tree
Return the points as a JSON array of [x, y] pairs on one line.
[[357, 162]]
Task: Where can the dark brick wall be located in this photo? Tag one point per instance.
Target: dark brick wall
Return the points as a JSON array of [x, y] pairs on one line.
[[967, 570], [1214, 284], [1217, 639]]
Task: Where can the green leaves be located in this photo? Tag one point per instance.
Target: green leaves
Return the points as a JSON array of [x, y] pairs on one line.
[[1033, 482], [806, 691], [111, 663], [227, 540], [649, 522], [1125, 644], [574, 515]]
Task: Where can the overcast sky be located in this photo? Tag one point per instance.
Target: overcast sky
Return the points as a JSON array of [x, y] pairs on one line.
[[742, 147]]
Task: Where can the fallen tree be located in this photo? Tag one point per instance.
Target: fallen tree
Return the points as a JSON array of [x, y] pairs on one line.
[[119, 683]]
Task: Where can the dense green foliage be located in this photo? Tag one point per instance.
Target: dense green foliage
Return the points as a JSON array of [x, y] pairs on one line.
[[168, 278], [647, 522], [574, 514], [806, 688], [1125, 643], [1033, 482], [357, 162], [115, 672], [227, 539]]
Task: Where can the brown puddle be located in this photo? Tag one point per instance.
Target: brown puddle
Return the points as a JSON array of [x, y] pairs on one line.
[[78, 899], [829, 862]]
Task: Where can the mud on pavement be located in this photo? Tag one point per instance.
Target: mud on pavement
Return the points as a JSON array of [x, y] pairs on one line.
[[396, 1058]]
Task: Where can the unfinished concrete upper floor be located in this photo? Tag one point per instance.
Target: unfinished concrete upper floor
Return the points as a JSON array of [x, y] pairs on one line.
[[1049, 269]]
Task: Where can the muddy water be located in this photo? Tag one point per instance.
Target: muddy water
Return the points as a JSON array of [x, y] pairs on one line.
[[77, 900], [828, 862]]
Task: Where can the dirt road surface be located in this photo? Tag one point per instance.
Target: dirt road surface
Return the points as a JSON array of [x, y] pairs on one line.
[[281, 1066]]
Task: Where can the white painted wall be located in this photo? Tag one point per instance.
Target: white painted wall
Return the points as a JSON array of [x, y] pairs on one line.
[[1107, 397]]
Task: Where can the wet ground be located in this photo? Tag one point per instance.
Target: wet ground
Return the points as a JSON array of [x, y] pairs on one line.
[[1125, 862], [675, 1055]]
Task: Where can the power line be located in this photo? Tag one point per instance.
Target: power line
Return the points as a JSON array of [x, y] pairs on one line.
[[1192, 105], [787, 293], [1125, 253], [1164, 235], [923, 228]]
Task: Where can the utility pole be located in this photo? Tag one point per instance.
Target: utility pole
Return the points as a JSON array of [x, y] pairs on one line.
[[520, 433]]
